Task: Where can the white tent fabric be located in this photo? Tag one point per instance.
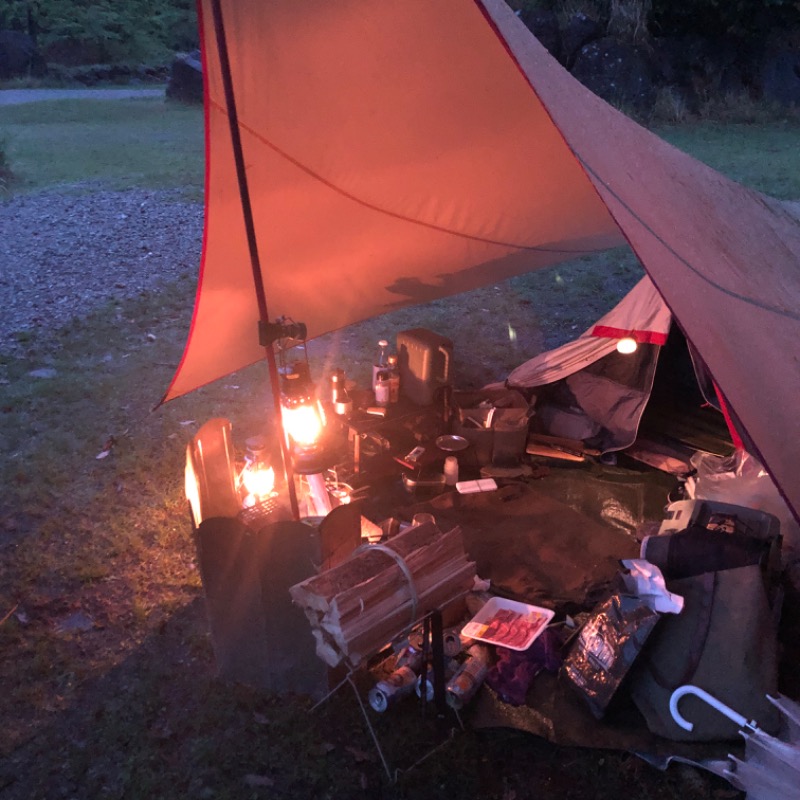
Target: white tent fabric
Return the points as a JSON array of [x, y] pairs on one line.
[[640, 315], [399, 152]]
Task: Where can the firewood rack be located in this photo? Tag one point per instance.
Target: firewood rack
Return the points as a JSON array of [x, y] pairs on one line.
[[433, 645]]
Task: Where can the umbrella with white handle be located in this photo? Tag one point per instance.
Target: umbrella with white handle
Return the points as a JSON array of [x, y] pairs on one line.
[[771, 766]]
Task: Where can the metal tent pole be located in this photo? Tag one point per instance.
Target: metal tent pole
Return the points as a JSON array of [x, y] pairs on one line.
[[255, 262]]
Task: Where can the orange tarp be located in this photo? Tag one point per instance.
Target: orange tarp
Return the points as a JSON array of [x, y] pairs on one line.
[[399, 152]]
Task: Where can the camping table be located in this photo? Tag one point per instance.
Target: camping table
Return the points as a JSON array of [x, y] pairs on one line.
[[403, 427]]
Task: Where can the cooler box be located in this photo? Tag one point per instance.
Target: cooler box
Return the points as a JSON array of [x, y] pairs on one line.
[[423, 359]]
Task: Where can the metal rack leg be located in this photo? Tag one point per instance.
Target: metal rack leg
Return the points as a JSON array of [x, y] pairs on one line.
[[433, 638], [371, 729]]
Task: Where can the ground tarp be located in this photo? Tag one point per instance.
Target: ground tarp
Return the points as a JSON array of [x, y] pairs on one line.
[[399, 152]]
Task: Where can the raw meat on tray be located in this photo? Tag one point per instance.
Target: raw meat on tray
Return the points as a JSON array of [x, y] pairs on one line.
[[506, 623]]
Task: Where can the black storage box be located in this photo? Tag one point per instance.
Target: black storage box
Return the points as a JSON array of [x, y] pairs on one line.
[[495, 422]]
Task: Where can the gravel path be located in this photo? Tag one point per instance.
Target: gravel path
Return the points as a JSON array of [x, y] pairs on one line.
[[63, 255], [10, 97]]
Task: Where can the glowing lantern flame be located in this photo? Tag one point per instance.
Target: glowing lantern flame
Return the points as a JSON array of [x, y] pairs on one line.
[[258, 480], [627, 345], [257, 477], [303, 423]]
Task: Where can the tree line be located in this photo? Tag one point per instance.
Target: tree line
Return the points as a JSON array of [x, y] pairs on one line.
[[745, 19], [112, 31], [147, 31]]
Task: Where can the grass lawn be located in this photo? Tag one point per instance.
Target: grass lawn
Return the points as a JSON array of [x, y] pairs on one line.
[[119, 144], [760, 156]]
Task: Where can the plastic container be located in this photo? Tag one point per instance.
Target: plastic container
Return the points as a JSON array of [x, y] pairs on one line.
[[508, 623], [381, 362]]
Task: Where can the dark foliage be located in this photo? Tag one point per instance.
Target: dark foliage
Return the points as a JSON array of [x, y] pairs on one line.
[[745, 18], [107, 31], [715, 18]]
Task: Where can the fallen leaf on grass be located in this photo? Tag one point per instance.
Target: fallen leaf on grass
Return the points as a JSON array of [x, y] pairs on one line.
[[107, 448], [258, 780]]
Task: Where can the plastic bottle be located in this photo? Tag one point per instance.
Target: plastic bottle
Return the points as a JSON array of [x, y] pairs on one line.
[[381, 363]]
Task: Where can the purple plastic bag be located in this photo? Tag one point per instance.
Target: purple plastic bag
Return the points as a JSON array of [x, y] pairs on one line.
[[514, 670]]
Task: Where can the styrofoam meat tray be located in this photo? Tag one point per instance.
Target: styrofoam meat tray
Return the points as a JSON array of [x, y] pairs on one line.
[[508, 623]]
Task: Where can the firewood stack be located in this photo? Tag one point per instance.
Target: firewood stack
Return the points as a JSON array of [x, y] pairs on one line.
[[359, 606]]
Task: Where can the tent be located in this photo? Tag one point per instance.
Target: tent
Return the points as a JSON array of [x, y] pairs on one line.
[[587, 390], [392, 153]]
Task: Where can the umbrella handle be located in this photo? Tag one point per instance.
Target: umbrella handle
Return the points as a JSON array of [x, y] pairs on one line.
[[703, 695]]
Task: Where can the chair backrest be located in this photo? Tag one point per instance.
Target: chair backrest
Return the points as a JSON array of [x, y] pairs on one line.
[[210, 473], [340, 534]]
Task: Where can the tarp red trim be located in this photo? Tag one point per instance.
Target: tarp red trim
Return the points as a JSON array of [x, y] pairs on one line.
[[643, 337], [738, 443]]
